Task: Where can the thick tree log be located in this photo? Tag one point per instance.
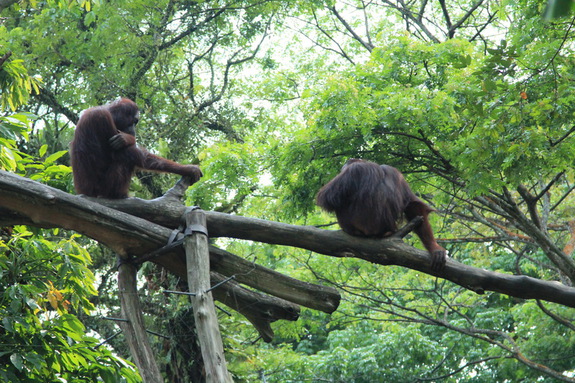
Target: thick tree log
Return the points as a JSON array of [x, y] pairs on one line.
[[198, 270], [167, 211], [390, 251], [134, 329], [31, 203]]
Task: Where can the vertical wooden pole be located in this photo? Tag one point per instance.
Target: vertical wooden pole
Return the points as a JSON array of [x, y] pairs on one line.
[[198, 264], [134, 329]]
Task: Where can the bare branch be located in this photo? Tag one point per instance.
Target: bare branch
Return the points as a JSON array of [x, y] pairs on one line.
[[341, 52], [564, 322], [409, 16], [366, 44], [450, 30], [562, 138], [192, 28], [50, 100], [421, 10], [506, 206], [531, 205], [366, 22]]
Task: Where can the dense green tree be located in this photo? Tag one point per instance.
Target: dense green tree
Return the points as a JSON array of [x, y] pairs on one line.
[[43, 283], [472, 100]]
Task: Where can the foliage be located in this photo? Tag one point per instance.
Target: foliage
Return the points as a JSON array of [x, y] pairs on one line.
[[43, 283], [558, 8], [16, 84], [15, 87], [472, 101], [11, 127], [366, 355], [462, 121]]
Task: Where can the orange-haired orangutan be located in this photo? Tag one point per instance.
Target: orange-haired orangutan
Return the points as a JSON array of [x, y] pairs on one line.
[[104, 154], [369, 199]]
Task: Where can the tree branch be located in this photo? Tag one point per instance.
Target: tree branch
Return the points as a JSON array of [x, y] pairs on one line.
[[366, 44], [464, 18], [48, 98], [408, 15], [43, 205], [5, 57], [450, 30], [129, 237], [555, 254]]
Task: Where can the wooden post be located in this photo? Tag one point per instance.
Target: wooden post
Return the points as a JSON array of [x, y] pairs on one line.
[[198, 265], [134, 329]]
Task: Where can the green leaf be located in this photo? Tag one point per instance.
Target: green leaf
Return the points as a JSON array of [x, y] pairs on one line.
[[43, 150], [17, 361], [55, 156]]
